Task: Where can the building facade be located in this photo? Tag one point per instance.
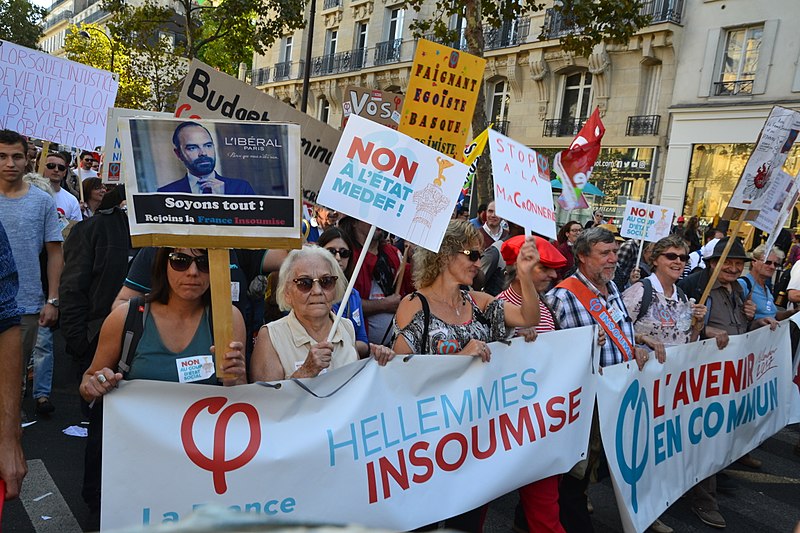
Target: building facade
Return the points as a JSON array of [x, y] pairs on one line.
[[535, 92], [738, 59], [61, 15]]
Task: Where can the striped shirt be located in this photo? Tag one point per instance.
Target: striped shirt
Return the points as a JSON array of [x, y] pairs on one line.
[[546, 322]]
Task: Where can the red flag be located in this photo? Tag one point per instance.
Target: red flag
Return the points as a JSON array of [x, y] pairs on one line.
[[574, 165]]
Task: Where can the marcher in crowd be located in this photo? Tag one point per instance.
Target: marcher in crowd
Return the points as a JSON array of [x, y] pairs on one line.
[[492, 230], [756, 283], [12, 461], [443, 318], [794, 251], [324, 218], [340, 246], [566, 238], [296, 346], [93, 192]]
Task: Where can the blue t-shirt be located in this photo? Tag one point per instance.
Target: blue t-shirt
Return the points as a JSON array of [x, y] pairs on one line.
[[30, 221], [762, 297], [355, 313], [9, 285]]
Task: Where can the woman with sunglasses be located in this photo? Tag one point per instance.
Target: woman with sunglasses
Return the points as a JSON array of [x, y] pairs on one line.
[[177, 330], [567, 236], [93, 192], [755, 287], [310, 281], [340, 246]]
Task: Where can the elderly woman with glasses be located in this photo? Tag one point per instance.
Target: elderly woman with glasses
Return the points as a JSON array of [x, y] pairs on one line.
[[310, 281], [176, 341], [755, 287]]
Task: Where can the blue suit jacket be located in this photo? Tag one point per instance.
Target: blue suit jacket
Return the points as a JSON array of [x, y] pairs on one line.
[[233, 186]]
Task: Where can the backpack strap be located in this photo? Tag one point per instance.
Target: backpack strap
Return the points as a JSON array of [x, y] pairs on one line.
[[134, 326], [749, 284], [647, 298], [426, 320]]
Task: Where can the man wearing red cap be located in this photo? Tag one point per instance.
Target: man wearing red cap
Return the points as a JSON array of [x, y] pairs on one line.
[[539, 499]]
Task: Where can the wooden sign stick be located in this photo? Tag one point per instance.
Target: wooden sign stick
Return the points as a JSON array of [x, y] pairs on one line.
[[721, 261], [43, 157], [352, 282], [639, 255], [401, 270], [220, 276]]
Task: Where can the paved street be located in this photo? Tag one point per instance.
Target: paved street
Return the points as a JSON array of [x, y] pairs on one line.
[[767, 500]]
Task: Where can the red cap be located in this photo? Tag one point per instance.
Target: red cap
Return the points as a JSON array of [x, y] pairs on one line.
[[549, 256], [681, 219]]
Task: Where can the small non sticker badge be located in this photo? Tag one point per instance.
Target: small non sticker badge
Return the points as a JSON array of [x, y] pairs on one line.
[[195, 368]]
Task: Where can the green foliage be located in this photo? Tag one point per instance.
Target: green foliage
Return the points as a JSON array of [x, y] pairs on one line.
[[96, 51], [597, 21], [21, 22]]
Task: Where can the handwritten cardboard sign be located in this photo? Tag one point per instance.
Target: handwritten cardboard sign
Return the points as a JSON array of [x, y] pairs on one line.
[[522, 186], [646, 221], [378, 106], [383, 177], [54, 99], [209, 93], [224, 180], [441, 96]]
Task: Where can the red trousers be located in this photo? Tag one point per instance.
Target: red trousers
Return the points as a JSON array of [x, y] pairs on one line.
[[540, 502]]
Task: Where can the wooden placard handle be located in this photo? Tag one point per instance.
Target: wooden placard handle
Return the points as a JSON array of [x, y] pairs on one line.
[[721, 261], [220, 275], [43, 157]]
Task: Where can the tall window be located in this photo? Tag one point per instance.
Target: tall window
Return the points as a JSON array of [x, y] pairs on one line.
[[739, 61], [286, 53], [323, 110], [394, 27], [577, 96], [360, 45], [331, 36], [500, 102]]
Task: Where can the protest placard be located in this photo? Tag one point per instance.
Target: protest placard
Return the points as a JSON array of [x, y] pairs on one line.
[[378, 106], [673, 424], [522, 194], [209, 93], [388, 179], [772, 148], [476, 429], [442, 91], [647, 222], [224, 184], [54, 99], [111, 171]]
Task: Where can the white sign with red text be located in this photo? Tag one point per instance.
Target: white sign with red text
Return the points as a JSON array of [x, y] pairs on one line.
[[362, 444], [668, 427], [522, 195], [646, 221], [388, 179]]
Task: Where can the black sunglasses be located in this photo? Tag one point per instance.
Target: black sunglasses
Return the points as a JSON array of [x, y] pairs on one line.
[[771, 263], [474, 255], [181, 262], [673, 256], [344, 253], [325, 282], [51, 166]]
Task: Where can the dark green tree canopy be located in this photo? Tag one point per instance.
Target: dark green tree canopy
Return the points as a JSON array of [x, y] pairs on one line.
[[21, 22]]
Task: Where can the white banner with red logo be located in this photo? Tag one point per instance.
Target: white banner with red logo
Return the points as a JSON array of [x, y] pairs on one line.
[[385, 447], [670, 426]]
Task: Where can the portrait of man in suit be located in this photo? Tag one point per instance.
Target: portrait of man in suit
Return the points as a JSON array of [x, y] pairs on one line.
[[194, 146]]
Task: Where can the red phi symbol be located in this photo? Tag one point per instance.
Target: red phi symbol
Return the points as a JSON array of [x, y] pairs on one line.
[[217, 464]]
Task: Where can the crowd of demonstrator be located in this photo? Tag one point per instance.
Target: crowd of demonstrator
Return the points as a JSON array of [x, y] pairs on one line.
[[488, 282]]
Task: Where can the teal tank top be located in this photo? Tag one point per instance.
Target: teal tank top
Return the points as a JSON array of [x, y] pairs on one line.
[[154, 361]]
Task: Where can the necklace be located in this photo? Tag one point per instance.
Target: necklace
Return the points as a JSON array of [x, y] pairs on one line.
[[453, 306]]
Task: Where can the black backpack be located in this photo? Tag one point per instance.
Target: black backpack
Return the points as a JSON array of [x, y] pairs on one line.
[[781, 287]]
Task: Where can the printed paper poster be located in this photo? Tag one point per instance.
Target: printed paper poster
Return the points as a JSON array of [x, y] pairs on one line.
[[646, 221]]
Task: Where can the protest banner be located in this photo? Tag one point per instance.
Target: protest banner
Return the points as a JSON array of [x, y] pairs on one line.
[[378, 106], [646, 221], [440, 99], [111, 170], [388, 179], [521, 194], [574, 165], [209, 93], [670, 426], [54, 99], [368, 444], [772, 148]]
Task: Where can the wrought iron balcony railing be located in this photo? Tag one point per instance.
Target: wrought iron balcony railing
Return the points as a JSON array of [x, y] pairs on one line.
[[663, 10], [330, 4], [559, 127], [508, 34], [643, 125], [558, 24], [338, 62], [287, 70], [501, 126], [260, 76], [388, 52], [733, 88]]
